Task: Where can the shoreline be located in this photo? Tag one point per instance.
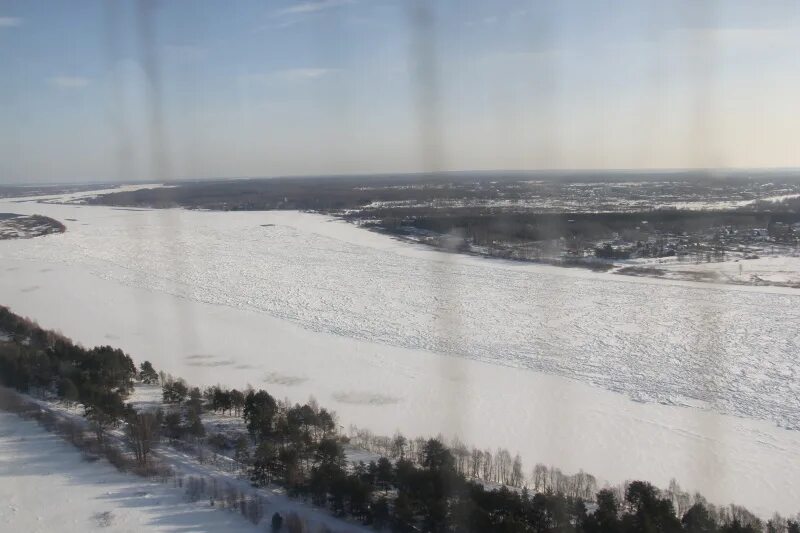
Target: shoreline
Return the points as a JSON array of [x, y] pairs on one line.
[[649, 270]]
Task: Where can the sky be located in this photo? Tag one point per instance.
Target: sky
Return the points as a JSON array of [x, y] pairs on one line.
[[94, 90]]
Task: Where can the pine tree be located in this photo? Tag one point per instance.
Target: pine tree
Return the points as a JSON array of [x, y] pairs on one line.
[[147, 373]]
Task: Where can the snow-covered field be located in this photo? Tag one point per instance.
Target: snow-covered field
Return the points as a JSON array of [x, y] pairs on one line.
[[783, 270], [93, 495], [46, 485], [395, 336]]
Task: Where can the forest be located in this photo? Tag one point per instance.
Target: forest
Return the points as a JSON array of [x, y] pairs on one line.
[[13, 226], [482, 226], [414, 485]]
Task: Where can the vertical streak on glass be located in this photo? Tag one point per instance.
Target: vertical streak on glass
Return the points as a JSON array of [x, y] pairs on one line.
[[178, 250], [429, 108], [702, 64], [117, 116], [148, 49]]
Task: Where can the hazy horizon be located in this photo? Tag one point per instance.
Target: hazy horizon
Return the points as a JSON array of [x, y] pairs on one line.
[[544, 173]]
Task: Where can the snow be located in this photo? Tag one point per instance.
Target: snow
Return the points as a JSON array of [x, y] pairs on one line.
[[777, 270], [183, 514], [45, 485], [146, 398], [767, 264], [598, 197], [774, 199], [623, 377]]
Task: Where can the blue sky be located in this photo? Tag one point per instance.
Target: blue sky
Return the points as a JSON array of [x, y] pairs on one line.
[[94, 90]]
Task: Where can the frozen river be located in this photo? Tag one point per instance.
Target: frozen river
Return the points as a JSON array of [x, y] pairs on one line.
[[623, 377]]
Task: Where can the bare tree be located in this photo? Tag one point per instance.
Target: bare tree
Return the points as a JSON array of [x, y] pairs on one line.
[[503, 466], [142, 433], [101, 421], [488, 465], [475, 466], [517, 477], [398, 446], [539, 477]]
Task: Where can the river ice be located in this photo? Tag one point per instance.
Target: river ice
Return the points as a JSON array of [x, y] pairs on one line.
[[722, 351]]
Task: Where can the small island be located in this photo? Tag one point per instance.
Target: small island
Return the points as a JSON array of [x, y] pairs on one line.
[[14, 226]]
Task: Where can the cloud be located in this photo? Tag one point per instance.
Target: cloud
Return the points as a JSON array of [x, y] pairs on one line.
[[185, 53], [312, 6], [69, 82], [10, 22], [300, 74], [288, 75], [762, 38], [524, 59], [297, 12]]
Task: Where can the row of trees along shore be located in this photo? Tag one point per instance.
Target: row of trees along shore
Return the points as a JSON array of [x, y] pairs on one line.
[[413, 485]]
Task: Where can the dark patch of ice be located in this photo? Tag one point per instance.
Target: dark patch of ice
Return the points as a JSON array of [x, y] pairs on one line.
[[275, 378], [365, 398], [212, 363]]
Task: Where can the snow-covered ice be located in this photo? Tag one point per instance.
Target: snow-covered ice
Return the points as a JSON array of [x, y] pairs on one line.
[[395, 336]]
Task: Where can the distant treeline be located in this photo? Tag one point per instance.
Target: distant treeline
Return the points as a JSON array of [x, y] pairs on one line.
[[421, 485], [483, 226], [311, 193], [437, 190], [485, 209], [16, 191]]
